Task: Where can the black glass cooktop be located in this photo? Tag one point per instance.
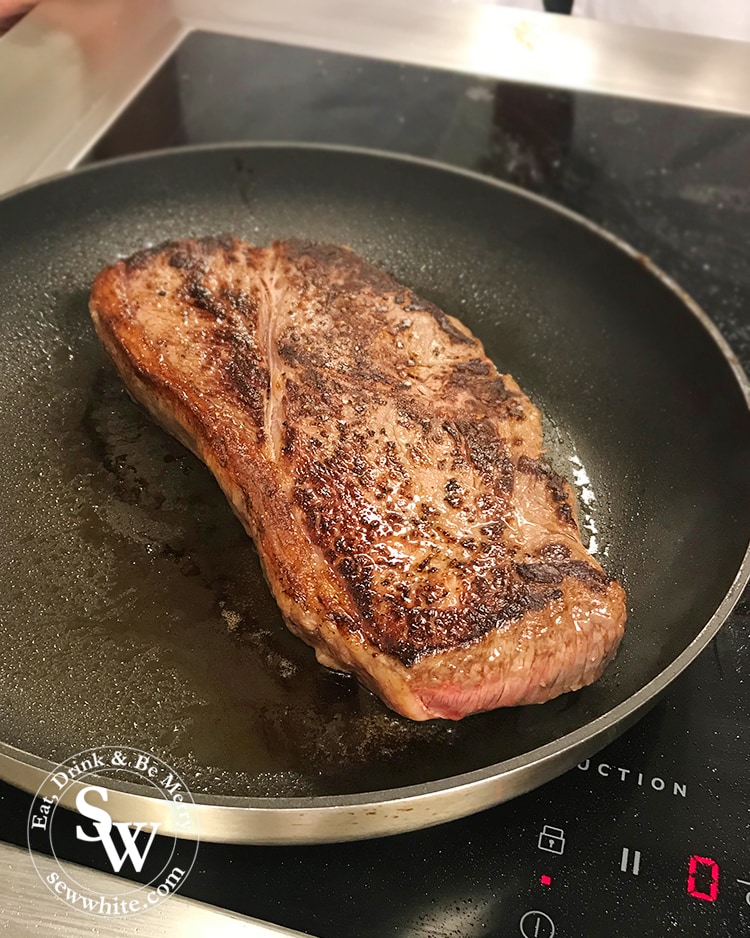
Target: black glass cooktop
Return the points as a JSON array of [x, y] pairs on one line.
[[650, 836]]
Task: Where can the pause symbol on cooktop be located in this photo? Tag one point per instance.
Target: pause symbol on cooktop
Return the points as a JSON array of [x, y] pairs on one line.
[[625, 863]]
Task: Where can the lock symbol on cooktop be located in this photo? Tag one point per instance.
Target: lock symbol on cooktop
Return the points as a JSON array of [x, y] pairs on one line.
[[552, 839]]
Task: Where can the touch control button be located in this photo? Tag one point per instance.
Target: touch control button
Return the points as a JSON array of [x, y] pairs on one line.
[[535, 924]]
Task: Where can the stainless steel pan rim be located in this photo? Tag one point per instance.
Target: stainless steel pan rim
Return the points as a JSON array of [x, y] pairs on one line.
[[373, 814], [377, 813]]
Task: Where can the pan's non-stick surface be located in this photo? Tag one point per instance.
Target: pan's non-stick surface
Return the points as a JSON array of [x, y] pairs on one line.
[[133, 610]]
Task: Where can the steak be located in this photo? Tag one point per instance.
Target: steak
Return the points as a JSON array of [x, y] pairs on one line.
[[392, 479]]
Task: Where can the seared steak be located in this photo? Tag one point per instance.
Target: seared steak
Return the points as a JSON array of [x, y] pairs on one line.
[[392, 479]]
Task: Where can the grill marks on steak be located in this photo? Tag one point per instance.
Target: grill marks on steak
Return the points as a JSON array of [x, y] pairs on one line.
[[391, 477]]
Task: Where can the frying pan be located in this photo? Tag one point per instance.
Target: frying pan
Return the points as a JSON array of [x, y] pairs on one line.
[[133, 610]]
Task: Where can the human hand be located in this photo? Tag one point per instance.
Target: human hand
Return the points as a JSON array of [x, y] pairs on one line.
[[11, 11]]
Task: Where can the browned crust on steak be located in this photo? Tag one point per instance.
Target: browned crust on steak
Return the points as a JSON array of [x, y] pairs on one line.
[[392, 479]]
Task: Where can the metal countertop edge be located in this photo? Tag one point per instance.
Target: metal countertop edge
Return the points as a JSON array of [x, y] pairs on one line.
[[218, 817], [29, 907], [62, 83]]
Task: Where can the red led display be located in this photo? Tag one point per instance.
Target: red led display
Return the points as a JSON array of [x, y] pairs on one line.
[[703, 866]]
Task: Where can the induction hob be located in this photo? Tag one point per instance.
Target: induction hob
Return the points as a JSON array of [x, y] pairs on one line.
[[649, 836]]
